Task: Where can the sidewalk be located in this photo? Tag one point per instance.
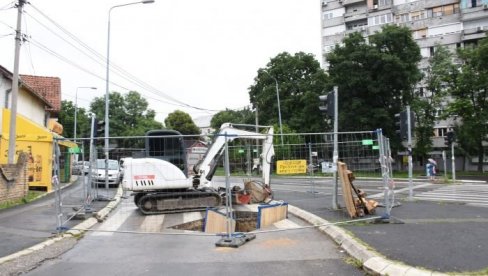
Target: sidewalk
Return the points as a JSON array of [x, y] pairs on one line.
[[433, 236], [27, 225]]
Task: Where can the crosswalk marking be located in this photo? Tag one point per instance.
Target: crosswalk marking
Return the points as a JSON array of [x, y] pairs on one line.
[[192, 216], [115, 221], [471, 194], [152, 223]]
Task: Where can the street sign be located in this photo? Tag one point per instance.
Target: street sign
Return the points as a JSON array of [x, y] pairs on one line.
[[328, 167], [291, 166]]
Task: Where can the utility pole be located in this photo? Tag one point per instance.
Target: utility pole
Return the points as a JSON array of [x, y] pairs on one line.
[[15, 86], [335, 153], [409, 150]]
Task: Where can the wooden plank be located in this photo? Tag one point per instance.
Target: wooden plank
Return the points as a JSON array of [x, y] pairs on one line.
[[216, 222], [269, 214], [346, 189]]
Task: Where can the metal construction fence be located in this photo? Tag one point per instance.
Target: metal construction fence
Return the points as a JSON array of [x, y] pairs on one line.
[[303, 173]]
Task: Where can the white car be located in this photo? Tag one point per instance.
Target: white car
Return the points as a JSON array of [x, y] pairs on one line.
[[81, 167], [98, 172]]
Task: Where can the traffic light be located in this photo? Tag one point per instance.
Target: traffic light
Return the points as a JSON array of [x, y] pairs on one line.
[[99, 128], [449, 138], [401, 124], [327, 104]]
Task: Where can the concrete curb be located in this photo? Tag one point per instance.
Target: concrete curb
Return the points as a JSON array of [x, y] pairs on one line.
[[371, 260], [76, 231]]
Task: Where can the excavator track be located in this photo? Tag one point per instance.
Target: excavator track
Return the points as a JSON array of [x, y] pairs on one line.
[[177, 202]]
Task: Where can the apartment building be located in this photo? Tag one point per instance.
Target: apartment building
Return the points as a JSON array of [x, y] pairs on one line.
[[451, 23]]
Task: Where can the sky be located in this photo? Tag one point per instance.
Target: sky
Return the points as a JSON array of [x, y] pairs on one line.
[[192, 55]]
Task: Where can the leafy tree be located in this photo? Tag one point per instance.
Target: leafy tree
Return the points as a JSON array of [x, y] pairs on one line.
[[376, 79], [243, 116], [300, 81], [427, 104], [66, 118], [129, 115], [182, 122], [469, 90]]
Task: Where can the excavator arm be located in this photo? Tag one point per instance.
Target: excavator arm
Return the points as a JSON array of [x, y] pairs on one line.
[[206, 168]]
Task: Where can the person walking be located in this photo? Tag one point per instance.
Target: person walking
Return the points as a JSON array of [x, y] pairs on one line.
[[431, 169]]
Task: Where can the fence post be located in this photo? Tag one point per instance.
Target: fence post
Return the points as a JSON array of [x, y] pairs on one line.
[[310, 167], [228, 201], [385, 172], [57, 187]]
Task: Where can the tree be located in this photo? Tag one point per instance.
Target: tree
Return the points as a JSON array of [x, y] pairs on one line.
[[300, 82], [66, 118], [182, 122], [427, 103], [376, 79], [243, 116], [469, 91], [129, 115]]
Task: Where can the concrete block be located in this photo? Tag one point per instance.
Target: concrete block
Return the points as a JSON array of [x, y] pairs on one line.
[[418, 272], [357, 250], [376, 264], [395, 269]]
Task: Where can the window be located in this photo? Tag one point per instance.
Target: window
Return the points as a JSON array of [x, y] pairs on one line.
[[401, 18], [417, 15], [443, 10], [440, 132], [381, 19], [328, 15]]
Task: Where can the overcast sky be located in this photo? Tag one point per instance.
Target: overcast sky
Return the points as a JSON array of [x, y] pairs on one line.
[[201, 53]]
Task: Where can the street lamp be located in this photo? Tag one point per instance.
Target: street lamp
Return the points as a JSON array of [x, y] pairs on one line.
[[278, 99], [107, 82], [76, 106]]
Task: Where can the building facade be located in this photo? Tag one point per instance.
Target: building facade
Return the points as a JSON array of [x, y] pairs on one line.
[[451, 23]]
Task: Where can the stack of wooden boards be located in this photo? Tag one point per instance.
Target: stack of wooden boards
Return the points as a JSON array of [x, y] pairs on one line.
[[356, 203]]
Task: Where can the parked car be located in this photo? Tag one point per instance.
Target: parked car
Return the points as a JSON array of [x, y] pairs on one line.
[[81, 167], [98, 172]]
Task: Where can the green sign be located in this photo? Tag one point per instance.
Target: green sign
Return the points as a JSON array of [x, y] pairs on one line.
[[74, 150], [367, 142], [241, 151], [376, 147]]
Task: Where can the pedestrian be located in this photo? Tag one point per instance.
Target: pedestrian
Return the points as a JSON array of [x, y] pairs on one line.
[[430, 168]]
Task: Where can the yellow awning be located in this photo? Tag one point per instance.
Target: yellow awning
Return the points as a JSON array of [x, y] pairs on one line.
[[26, 129]]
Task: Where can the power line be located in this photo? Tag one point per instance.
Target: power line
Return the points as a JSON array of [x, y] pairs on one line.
[[68, 61], [117, 69]]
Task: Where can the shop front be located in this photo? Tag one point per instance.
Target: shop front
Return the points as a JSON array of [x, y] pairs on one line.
[[37, 141]]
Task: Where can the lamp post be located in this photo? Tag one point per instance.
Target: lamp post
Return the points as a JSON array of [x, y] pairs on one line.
[[278, 99], [107, 125], [76, 106]]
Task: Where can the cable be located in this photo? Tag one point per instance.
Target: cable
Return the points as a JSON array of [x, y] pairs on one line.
[[29, 53], [8, 6], [68, 61], [5, 35], [118, 70]]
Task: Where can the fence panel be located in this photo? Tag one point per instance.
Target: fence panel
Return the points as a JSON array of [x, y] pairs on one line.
[[302, 174]]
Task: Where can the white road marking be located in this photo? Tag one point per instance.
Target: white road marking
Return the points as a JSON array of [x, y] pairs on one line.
[[286, 224], [152, 223]]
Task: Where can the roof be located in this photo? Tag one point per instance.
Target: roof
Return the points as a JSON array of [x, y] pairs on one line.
[[48, 87], [8, 75]]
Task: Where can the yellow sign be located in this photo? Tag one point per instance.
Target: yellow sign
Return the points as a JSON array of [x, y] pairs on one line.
[[291, 166]]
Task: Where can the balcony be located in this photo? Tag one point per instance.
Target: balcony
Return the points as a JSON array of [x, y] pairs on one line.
[[351, 2]]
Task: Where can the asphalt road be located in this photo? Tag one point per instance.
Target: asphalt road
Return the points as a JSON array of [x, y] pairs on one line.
[[26, 225], [447, 236], [128, 243]]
